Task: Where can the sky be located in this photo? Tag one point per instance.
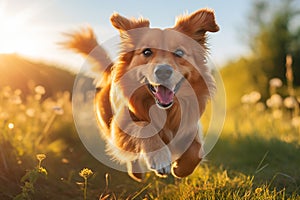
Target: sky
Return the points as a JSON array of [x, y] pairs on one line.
[[34, 27]]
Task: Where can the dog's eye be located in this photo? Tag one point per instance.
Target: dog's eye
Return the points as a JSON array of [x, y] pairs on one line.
[[147, 52], [179, 53]]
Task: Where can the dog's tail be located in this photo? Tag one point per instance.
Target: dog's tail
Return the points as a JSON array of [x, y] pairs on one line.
[[85, 42]]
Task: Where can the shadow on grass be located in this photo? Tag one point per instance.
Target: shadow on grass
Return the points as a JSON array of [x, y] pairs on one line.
[[273, 161]]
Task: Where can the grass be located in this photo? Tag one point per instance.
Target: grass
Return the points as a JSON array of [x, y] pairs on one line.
[[209, 182], [256, 157], [30, 178]]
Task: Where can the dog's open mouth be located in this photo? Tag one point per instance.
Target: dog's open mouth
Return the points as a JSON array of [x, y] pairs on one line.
[[163, 95]]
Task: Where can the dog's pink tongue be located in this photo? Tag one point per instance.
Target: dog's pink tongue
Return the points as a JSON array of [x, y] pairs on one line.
[[164, 95]]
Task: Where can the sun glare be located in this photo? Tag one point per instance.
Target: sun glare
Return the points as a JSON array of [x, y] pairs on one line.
[[17, 33], [8, 35]]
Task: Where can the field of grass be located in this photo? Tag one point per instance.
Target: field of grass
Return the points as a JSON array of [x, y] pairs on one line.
[[41, 156]]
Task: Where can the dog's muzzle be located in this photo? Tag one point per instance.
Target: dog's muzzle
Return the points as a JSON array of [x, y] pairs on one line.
[[163, 72], [161, 90]]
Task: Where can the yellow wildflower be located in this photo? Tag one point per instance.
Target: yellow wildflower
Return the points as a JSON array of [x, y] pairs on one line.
[[85, 173]]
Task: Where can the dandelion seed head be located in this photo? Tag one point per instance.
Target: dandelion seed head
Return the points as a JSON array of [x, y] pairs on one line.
[[254, 97], [30, 112], [290, 102], [245, 99], [18, 92], [251, 98], [275, 82], [275, 101], [40, 90]]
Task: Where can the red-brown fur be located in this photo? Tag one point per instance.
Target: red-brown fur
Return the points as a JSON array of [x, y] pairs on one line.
[[114, 99]]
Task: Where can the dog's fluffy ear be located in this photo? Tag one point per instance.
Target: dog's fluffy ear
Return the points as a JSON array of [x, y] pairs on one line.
[[123, 24], [197, 24]]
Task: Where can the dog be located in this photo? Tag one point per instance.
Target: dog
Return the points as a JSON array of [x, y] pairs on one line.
[[149, 101]]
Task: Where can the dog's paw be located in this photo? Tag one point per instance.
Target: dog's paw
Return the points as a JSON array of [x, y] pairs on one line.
[[159, 161]]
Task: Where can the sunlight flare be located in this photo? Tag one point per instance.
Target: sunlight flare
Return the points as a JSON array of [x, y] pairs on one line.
[[18, 32]]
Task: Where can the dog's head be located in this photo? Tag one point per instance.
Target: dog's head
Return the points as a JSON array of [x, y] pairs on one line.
[[163, 59]]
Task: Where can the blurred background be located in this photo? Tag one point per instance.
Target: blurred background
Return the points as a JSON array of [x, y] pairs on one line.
[[257, 52]]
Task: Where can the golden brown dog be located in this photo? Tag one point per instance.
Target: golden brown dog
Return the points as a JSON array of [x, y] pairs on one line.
[[150, 100]]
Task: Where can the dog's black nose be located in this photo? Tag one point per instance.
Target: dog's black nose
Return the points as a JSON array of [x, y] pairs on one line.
[[163, 72]]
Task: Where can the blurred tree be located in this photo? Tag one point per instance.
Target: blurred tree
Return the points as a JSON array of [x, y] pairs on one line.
[[274, 32]]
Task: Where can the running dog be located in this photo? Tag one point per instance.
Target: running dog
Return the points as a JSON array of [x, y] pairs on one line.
[[150, 100]]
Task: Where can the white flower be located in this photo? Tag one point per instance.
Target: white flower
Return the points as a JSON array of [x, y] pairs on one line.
[[18, 92], [40, 90], [251, 98], [290, 102], [30, 112], [275, 101], [254, 97], [275, 82], [245, 99]]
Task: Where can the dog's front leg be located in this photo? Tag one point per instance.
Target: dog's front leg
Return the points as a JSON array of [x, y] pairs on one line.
[[142, 138], [157, 155], [152, 149], [151, 146]]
